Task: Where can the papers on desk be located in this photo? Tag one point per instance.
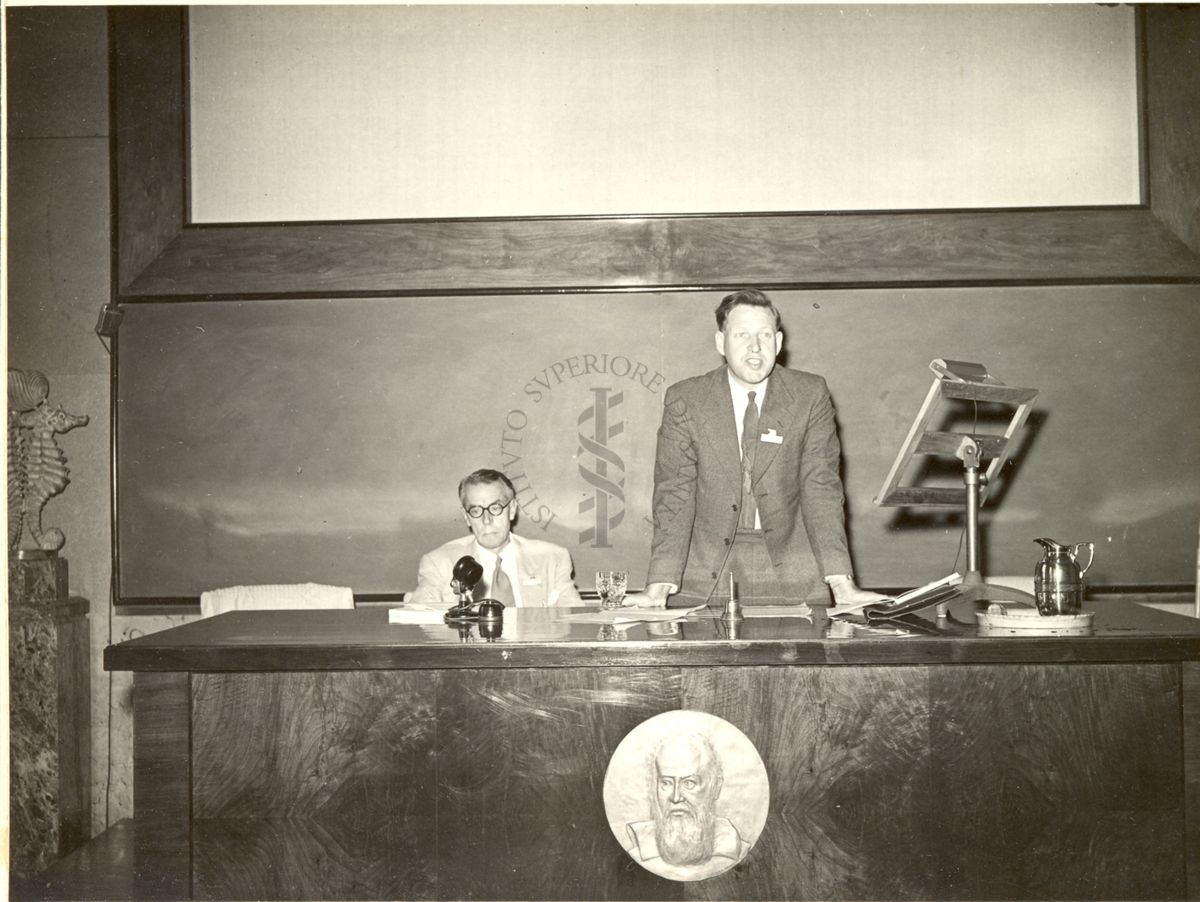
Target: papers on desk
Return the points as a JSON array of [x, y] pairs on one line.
[[424, 614], [917, 599], [618, 616], [777, 610], [416, 614]]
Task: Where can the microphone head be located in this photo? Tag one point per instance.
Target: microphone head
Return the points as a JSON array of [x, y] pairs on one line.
[[467, 572]]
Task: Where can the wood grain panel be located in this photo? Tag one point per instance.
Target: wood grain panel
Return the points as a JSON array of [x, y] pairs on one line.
[[899, 248], [301, 858], [1059, 781], [521, 761], [289, 764], [800, 250], [846, 751], [1190, 710], [149, 156], [162, 777], [344, 748], [901, 782], [75, 723], [408, 257], [314, 640], [161, 770]]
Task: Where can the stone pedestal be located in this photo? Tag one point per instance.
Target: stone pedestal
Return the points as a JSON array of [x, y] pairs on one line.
[[49, 714]]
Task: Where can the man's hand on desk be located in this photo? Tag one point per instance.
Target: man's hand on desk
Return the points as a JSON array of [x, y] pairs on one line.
[[654, 596], [846, 592]]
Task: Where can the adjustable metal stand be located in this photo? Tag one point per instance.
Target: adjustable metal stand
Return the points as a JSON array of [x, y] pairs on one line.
[[973, 588], [961, 381]]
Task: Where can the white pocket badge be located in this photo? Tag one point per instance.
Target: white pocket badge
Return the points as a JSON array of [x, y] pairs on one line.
[[771, 437]]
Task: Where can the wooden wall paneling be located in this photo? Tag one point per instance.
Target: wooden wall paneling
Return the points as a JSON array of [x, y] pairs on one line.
[[521, 757], [846, 751], [1190, 710], [1060, 781], [956, 247], [148, 112], [1172, 90], [161, 767], [162, 782], [328, 771], [293, 858], [75, 723], [799, 250], [404, 257]]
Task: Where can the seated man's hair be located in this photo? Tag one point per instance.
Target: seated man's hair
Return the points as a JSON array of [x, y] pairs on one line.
[[484, 477], [746, 297]]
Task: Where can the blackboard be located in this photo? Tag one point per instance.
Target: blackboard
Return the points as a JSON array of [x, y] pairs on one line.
[[295, 440]]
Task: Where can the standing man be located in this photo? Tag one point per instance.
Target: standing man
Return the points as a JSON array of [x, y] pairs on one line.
[[516, 571], [746, 477]]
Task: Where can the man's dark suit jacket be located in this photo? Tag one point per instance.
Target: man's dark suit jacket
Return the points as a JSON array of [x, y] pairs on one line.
[[797, 485]]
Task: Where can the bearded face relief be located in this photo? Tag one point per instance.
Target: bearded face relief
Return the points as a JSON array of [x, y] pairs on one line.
[[686, 795], [687, 782]]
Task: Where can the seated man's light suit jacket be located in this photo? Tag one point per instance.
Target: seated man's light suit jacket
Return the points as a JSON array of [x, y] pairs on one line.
[[545, 568]]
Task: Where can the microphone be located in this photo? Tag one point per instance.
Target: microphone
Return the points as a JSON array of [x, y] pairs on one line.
[[466, 574]]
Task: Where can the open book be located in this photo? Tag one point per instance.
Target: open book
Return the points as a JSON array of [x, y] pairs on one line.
[[917, 599]]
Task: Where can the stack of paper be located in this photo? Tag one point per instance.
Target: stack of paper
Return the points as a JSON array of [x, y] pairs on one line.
[[411, 613], [633, 615]]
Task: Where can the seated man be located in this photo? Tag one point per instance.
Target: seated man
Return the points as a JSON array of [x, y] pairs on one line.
[[516, 571]]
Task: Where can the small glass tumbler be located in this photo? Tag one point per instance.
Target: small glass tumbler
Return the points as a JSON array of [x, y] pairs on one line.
[[611, 585]]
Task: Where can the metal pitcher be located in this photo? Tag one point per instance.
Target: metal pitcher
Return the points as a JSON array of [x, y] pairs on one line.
[[1058, 579]]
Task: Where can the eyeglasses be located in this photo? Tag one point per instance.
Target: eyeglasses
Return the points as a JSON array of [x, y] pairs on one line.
[[495, 509]]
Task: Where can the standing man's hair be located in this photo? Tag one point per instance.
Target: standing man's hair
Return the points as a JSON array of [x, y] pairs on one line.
[[748, 297], [484, 477]]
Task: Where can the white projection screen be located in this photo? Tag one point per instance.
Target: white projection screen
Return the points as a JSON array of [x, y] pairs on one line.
[[310, 113]]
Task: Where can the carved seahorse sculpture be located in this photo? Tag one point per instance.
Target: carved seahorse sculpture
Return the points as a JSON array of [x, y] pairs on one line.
[[26, 390], [18, 451], [37, 468]]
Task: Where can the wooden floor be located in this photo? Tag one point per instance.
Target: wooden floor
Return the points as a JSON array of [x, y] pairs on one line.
[[101, 869]]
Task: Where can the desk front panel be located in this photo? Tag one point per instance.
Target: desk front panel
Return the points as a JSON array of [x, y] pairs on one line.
[[918, 782]]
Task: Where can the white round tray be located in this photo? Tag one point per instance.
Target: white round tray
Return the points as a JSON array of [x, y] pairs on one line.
[[1026, 618]]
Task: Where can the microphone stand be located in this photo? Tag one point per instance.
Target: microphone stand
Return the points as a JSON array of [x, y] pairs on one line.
[[463, 608]]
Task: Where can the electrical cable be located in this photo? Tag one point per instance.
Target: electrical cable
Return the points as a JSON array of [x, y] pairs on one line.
[[108, 719]]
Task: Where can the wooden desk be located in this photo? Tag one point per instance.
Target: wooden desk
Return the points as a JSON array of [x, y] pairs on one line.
[[331, 755]]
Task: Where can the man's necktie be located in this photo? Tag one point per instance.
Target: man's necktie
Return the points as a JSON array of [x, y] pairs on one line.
[[749, 443], [502, 586]]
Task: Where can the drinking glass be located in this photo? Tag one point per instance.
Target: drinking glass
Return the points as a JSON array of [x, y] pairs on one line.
[[611, 586]]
